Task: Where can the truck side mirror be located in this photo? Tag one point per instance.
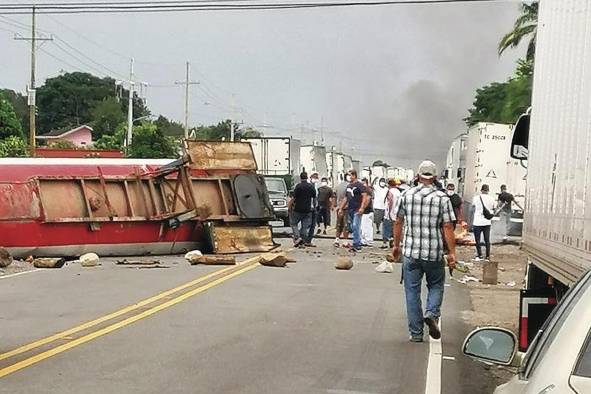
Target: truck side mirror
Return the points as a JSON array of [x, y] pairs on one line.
[[519, 144]]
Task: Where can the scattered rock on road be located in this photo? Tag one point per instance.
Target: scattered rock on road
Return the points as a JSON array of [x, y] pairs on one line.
[[275, 259], [89, 260], [343, 263], [5, 258], [49, 262]]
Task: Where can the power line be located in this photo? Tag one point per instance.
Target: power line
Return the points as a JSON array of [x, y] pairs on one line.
[[207, 5]]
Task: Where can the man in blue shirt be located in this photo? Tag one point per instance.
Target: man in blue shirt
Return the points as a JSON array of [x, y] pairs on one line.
[[356, 202]]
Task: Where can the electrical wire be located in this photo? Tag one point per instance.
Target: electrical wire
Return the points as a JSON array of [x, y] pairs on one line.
[[207, 5]]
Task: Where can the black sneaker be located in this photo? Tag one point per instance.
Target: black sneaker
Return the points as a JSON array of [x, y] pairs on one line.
[[433, 324], [318, 231], [324, 232]]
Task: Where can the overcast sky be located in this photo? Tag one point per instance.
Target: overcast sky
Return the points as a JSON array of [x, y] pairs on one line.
[[390, 82]]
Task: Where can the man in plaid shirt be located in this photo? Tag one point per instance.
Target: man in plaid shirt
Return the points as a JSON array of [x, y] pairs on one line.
[[426, 216]]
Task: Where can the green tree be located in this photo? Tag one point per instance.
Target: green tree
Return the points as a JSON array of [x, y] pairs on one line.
[[9, 123], [503, 102], [21, 108], [70, 99], [13, 146], [221, 131], [107, 115], [112, 141], [525, 26], [488, 104], [62, 144], [169, 127], [150, 142]]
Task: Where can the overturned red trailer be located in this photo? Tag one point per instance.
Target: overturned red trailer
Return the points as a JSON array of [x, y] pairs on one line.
[[210, 199]]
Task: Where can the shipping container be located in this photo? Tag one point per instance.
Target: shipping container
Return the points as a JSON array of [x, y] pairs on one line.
[[555, 140]]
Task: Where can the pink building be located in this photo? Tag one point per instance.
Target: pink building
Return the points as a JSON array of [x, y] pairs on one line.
[[81, 136]]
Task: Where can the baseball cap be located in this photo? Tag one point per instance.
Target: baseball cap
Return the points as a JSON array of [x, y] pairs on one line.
[[427, 169]]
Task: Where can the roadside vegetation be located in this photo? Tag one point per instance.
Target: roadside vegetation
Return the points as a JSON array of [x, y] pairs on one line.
[[73, 99], [503, 102]]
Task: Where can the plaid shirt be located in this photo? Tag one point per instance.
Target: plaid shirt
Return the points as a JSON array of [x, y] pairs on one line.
[[424, 210]]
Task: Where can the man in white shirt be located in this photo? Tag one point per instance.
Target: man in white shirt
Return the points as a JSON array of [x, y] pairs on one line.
[[380, 189], [482, 206], [391, 200]]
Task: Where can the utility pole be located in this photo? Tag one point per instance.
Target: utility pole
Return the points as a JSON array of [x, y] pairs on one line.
[[232, 120], [187, 83], [129, 136], [31, 88]]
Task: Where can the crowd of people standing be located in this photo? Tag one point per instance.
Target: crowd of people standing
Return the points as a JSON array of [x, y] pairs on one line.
[[417, 222]]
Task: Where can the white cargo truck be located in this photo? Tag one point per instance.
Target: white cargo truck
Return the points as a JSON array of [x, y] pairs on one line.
[[455, 168], [277, 157], [487, 163], [555, 140], [313, 159]]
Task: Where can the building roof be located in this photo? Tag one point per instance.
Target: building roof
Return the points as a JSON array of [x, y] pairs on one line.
[[62, 133]]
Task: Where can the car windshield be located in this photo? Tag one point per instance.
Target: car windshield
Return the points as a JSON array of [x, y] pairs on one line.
[[275, 185]]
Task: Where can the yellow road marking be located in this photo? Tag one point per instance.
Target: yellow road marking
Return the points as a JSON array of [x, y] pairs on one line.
[[103, 331], [120, 312]]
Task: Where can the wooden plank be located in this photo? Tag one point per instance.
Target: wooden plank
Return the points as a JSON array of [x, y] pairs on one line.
[[223, 196], [85, 196], [153, 195], [142, 193], [164, 200], [128, 199], [112, 212]]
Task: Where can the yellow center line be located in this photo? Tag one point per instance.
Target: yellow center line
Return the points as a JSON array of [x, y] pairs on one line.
[[103, 331], [120, 312]]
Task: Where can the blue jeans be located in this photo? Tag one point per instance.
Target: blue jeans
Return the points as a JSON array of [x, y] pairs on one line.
[[355, 222], [413, 270], [387, 229], [306, 220]]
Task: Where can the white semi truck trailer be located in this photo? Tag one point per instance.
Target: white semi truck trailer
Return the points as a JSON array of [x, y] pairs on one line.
[[554, 141]]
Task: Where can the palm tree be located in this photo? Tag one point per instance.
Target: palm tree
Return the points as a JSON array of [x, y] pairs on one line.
[[525, 26]]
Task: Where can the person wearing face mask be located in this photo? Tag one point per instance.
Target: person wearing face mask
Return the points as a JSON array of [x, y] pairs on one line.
[[342, 226], [315, 181], [380, 189], [325, 203], [457, 204], [367, 218]]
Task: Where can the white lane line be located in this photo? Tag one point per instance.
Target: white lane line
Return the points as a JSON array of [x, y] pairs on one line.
[[433, 382], [18, 273]]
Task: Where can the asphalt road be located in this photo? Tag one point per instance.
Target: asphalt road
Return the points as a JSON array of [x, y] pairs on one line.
[[307, 328]]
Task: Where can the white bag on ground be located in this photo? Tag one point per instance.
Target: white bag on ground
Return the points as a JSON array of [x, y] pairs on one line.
[[385, 267]]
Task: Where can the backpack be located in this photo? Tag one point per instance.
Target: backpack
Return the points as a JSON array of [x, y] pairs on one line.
[[485, 212]]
